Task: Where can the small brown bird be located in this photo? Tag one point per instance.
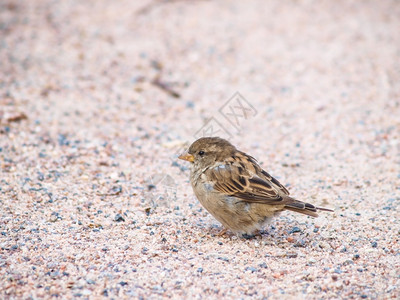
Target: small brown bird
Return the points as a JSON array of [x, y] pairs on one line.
[[233, 187]]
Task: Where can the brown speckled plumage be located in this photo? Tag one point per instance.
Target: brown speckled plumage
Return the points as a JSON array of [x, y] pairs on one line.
[[233, 187]]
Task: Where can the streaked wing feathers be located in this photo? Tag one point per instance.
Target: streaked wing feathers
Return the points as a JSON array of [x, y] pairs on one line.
[[243, 178]]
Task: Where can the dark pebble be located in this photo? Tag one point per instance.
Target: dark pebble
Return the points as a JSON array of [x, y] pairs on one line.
[[252, 269], [115, 190], [263, 265], [295, 229], [62, 140], [119, 218], [300, 243], [40, 176], [348, 262]]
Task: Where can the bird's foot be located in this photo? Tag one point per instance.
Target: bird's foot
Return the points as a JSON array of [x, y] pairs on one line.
[[248, 236], [222, 232]]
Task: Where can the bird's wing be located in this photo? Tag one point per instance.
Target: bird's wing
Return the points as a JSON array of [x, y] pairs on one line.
[[254, 168], [242, 177], [274, 182]]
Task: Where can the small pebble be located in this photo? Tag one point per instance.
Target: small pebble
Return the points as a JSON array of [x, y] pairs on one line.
[[252, 269], [291, 254], [119, 218], [294, 230], [224, 259], [263, 265]]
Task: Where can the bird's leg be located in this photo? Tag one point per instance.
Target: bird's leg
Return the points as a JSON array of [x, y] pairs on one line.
[[222, 232], [258, 232], [252, 235]]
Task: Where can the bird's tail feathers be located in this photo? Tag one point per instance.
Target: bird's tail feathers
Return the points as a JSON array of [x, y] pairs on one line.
[[305, 208]]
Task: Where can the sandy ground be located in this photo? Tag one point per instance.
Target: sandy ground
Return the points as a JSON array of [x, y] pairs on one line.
[[98, 97]]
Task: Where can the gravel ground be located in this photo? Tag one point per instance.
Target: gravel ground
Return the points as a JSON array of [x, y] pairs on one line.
[[98, 97]]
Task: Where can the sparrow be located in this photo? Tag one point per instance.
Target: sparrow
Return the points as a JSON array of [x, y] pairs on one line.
[[232, 187]]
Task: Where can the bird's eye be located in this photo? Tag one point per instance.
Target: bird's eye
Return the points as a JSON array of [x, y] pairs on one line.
[[201, 153]]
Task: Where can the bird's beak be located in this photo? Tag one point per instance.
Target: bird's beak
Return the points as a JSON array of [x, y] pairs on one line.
[[187, 156]]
